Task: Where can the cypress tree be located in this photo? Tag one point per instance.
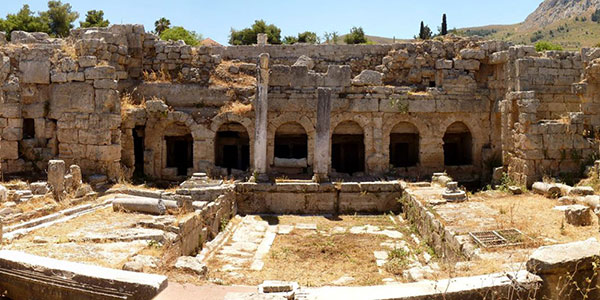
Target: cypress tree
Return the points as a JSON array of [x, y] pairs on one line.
[[444, 25], [422, 30]]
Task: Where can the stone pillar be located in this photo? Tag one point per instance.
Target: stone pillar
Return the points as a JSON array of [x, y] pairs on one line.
[[56, 177], [261, 107], [322, 153], [75, 171], [261, 39]]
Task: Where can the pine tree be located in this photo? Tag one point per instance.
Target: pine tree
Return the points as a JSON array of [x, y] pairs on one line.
[[444, 25]]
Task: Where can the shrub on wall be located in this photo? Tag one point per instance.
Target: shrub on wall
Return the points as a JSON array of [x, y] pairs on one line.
[[545, 46]]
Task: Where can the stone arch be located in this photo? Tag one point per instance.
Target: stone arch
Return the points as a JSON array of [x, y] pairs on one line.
[[300, 119], [458, 145], [169, 139], [367, 127], [348, 148], [232, 147], [423, 128], [217, 122], [403, 149]]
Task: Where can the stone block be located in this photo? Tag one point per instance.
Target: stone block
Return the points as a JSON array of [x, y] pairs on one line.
[[105, 84], [53, 279], [578, 215], [71, 97], [34, 71], [368, 77], [9, 149], [100, 72]]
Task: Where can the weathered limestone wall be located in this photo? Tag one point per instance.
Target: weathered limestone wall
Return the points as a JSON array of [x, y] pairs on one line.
[[71, 90], [313, 198], [551, 77], [55, 105]]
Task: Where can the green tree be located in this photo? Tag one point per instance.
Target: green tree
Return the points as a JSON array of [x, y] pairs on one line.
[[444, 30], [424, 32], [356, 36], [60, 18], [177, 33], [308, 37], [290, 39], [94, 18], [24, 20], [161, 25], [247, 36]]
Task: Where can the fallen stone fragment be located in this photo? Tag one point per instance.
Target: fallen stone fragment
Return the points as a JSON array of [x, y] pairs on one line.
[[139, 204], [548, 190], [578, 215], [191, 264], [139, 262]]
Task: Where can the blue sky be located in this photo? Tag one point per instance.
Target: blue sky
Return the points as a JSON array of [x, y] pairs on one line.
[[215, 18]]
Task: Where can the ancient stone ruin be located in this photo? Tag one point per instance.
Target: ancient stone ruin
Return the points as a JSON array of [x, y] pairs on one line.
[[252, 139]]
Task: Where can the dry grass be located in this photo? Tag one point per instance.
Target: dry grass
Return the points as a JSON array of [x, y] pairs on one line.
[[39, 202], [223, 78], [160, 76], [535, 217], [317, 260], [128, 103], [236, 108], [69, 50]]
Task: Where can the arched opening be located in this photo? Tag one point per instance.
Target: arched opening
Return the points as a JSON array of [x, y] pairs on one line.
[[404, 145], [348, 148], [457, 145], [232, 147], [138, 133], [291, 147], [180, 148]]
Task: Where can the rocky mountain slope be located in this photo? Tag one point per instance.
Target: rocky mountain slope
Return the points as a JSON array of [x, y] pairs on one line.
[[551, 11]]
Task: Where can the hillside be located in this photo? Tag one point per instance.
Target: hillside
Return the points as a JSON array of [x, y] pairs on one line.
[[565, 22]]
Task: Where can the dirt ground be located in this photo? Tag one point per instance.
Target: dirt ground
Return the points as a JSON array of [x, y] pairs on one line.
[[320, 257], [80, 239], [534, 215]]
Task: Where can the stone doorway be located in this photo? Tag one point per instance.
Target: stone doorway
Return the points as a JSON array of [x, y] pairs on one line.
[[348, 148], [404, 146], [28, 129], [232, 147], [458, 145], [180, 153], [139, 132], [291, 148]]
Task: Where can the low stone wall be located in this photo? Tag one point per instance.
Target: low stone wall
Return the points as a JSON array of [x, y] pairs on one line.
[[204, 225], [445, 243], [313, 198], [515, 285]]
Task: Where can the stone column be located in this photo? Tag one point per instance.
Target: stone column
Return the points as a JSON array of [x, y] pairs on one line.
[[322, 153], [261, 107], [56, 177], [261, 39]]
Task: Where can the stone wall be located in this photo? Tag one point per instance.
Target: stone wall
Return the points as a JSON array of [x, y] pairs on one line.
[[431, 89], [312, 198], [56, 105], [551, 77]]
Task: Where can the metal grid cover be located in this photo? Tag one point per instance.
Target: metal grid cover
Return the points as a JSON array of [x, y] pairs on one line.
[[498, 238]]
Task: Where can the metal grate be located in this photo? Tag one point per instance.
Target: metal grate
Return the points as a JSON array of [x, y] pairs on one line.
[[498, 238]]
